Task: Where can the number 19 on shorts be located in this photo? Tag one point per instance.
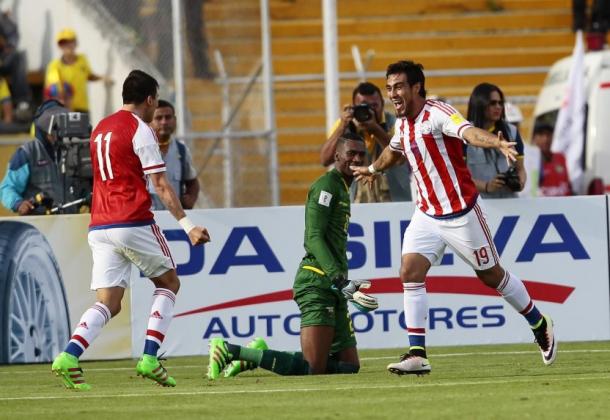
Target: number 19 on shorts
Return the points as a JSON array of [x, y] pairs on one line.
[[102, 143], [482, 256]]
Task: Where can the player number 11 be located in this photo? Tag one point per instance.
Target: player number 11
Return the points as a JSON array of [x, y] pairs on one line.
[[103, 154]]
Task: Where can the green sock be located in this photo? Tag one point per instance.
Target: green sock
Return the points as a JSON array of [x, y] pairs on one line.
[[283, 363], [248, 354]]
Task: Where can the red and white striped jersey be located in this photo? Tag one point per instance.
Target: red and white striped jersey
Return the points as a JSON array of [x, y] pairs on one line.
[[433, 145], [124, 150]]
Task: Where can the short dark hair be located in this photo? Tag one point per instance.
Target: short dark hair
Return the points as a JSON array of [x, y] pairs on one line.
[[166, 104], [542, 127], [349, 136], [413, 71], [138, 86], [366, 88]]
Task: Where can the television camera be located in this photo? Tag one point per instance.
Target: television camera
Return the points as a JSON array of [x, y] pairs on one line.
[[72, 130]]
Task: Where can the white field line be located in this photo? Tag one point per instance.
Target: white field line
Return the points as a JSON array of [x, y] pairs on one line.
[[85, 395], [44, 368]]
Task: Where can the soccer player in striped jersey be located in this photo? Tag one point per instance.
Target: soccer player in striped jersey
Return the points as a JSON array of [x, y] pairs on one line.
[[124, 151], [430, 135]]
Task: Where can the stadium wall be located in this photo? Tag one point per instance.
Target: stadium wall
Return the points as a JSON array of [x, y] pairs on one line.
[[239, 285], [100, 38]]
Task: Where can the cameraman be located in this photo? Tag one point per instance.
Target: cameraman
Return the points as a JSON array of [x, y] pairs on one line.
[[490, 172], [366, 117], [33, 180]]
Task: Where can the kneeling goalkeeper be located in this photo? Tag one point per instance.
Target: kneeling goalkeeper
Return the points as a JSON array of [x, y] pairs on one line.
[[321, 289]]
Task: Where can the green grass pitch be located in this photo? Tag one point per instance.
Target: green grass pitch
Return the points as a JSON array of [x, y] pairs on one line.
[[474, 382]]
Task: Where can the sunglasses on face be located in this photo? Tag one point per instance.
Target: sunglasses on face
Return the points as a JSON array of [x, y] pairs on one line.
[[494, 103]]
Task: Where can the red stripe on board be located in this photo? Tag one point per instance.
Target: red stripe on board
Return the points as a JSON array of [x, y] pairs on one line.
[[80, 340], [463, 285], [155, 334], [252, 300], [545, 292], [604, 85]]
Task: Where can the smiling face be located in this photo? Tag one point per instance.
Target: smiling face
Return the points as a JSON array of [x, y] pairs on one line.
[[349, 153], [405, 98]]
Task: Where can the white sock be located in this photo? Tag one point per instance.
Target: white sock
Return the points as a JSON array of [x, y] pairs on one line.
[[415, 301], [161, 314], [514, 292], [90, 326]]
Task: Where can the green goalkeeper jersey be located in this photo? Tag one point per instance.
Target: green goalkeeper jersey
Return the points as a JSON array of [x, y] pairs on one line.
[[327, 213]]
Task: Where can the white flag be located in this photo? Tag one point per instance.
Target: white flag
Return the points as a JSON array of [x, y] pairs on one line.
[[568, 137]]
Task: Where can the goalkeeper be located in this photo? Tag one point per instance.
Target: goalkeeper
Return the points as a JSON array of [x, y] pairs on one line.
[[321, 289]]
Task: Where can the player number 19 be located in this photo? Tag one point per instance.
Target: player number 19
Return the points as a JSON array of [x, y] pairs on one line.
[[103, 155], [481, 256]]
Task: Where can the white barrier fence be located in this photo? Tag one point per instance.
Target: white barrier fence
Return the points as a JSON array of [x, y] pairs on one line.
[[239, 285]]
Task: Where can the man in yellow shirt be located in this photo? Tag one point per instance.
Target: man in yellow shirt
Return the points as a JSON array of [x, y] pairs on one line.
[[66, 77]]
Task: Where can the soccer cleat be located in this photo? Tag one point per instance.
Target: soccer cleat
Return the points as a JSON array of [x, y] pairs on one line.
[[219, 357], [66, 366], [238, 366], [410, 365], [546, 340], [150, 367]]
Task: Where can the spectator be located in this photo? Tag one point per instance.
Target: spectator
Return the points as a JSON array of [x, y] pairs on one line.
[[66, 77], [13, 68], [554, 179], [377, 130], [491, 173], [177, 157], [33, 180]]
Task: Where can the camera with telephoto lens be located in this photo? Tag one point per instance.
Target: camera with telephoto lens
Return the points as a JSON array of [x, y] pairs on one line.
[[362, 112], [511, 179], [73, 131]]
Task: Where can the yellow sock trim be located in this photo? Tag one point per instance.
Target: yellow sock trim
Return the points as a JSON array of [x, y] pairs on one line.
[[417, 348]]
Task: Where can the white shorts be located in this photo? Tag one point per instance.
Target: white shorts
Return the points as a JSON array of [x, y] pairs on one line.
[[115, 249], [468, 236]]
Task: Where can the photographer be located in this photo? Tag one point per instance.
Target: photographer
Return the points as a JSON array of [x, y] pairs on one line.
[[366, 117], [33, 181], [492, 175]]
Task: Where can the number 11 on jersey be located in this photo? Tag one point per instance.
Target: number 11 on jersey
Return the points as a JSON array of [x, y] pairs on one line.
[[103, 154]]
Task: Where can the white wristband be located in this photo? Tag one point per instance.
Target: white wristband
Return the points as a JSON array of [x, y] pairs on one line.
[[186, 224], [372, 169]]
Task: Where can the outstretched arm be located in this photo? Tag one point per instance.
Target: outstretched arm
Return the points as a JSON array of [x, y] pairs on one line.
[[167, 195], [481, 138], [387, 159]]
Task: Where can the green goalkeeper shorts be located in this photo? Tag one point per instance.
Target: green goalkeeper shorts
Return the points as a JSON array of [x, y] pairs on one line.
[[321, 305]]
